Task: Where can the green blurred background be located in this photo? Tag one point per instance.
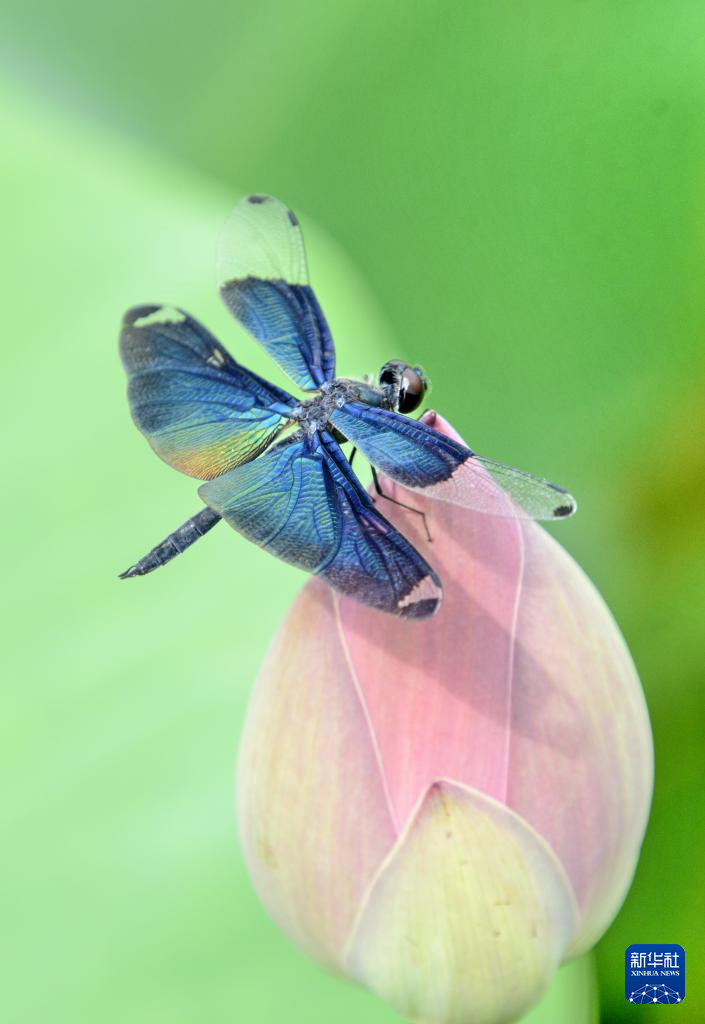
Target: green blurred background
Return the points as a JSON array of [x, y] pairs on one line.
[[512, 193]]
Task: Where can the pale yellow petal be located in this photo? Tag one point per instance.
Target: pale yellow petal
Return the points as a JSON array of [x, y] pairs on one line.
[[468, 917]]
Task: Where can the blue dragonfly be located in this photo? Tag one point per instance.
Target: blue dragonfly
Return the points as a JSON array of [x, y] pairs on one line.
[[272, 463]]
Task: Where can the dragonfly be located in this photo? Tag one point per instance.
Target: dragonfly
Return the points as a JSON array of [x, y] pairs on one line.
[[272, 464]]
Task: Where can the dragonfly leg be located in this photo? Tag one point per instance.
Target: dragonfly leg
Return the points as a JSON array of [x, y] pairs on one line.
[[409, 508], [352, 456]]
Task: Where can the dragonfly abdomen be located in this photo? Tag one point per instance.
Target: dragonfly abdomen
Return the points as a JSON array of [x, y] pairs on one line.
[[176, 543]]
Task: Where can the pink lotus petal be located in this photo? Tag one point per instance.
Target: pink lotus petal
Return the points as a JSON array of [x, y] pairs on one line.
[[581, 766], [581, 759], [313, 814], [439, 694]]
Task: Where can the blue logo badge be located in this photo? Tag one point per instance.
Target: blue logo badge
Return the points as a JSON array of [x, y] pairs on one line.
[[655, 973]]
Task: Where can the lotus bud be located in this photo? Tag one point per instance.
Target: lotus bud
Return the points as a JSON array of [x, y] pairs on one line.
[[445, 811]]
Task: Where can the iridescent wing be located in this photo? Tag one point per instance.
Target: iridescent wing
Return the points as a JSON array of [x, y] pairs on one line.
[[374, 562], [263, 279], [424, 460], [301, 502], [201, 411]]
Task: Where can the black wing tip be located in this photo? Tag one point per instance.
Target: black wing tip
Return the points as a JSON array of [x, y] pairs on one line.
[[148, 314], [424, 609], [258, 198], [568, 507], [423, 600], [137, 312]]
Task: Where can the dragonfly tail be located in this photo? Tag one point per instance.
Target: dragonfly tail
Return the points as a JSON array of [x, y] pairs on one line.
[[176, 543]]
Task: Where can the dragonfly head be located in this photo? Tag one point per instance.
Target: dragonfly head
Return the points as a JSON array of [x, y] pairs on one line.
[[404, 385]]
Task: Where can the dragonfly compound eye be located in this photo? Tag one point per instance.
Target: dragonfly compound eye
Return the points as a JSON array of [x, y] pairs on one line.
[[405, 384], [412, 389]]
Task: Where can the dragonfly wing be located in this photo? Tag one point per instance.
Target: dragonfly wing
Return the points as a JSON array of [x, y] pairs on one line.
[[263, 279], [374, 559], [201, 411], [423, 460], [300, 502]]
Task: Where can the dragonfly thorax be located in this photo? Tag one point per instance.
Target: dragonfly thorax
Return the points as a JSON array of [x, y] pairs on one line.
[[315, 413]]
